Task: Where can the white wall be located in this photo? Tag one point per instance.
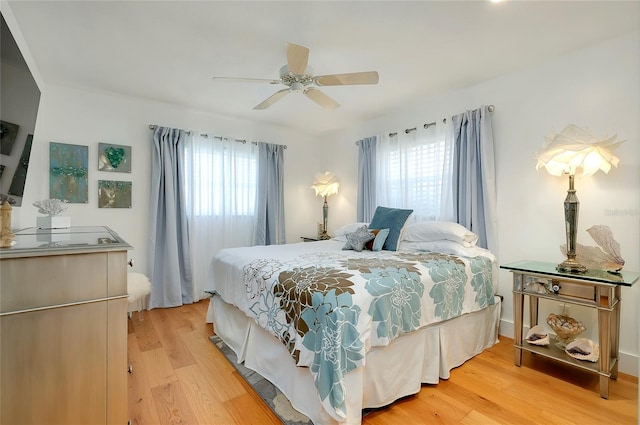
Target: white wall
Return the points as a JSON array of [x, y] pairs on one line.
[[86, 118], [597, 87]]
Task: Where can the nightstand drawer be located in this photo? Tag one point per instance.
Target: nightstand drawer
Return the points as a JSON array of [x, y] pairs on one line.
[[575, 290], [560, 288]]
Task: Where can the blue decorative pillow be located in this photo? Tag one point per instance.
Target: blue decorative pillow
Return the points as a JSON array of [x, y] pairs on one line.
[[376, 244], [357, 240], [392, 219], [380, 239]]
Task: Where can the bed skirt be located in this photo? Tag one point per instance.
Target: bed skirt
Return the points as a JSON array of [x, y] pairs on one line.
[[390, 372]]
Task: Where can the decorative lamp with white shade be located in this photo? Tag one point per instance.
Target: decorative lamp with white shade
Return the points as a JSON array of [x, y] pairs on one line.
[[325, 184], [575, 152]]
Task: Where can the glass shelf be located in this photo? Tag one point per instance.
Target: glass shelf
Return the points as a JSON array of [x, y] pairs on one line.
[[34, 241], [623, 277]]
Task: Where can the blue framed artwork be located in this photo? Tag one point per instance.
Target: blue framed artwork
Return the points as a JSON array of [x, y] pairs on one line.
[[114, 194], [115, 158], [68, 172]]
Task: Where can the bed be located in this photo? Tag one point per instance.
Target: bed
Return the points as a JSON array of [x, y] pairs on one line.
[[339, 330]]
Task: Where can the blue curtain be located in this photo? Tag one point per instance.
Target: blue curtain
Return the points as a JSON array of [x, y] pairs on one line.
[[366, 179], [270, 195], [169, 257], [474, 183]]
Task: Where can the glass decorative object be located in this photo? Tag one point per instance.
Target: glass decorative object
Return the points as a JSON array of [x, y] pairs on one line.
[[567, 328]]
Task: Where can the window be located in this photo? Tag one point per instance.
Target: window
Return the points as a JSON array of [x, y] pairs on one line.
[[414, 171], [221, 178]]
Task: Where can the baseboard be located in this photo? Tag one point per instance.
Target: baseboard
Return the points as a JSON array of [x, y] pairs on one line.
[[629, 363]]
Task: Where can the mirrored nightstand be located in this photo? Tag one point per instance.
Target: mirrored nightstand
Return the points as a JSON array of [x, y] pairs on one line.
[[596, 289]]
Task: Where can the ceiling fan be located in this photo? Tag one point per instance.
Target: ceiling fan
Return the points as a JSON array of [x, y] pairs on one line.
[[298, 76]]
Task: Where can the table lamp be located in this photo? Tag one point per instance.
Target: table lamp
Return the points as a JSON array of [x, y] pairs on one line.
[[575, 151], [325, 184]]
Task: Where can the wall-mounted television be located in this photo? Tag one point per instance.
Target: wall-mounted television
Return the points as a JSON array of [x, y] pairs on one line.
[[19, 102]]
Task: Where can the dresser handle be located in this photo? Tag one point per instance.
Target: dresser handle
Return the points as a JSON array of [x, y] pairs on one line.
[[555, 288], [130, 262]]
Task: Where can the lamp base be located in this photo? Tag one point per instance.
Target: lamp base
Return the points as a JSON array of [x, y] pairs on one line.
[[324, 236], [570, 265]]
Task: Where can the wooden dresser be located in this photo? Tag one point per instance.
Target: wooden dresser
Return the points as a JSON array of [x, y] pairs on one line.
[[63, 327]]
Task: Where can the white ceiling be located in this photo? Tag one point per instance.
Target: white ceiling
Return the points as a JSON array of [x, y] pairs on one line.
[[169, 50]]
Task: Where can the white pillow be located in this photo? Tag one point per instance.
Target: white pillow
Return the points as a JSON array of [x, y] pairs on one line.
[[447, 247], [349, 228], [429, 231]]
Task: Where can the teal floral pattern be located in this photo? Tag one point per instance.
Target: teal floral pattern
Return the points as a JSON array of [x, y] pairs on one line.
[[397, 303], [481, 281], [296, 287], [335, 341], [449, 279], [329, 308]]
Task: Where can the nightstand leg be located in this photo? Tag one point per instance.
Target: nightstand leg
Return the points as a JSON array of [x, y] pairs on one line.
[[604, 336], [533, 311], [615, 336], [518, 304]]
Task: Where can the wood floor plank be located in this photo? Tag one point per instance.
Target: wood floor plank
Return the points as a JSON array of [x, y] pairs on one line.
[[476, 418], [159, 370], [245, 410], [196, 316], [172, 405], [214, 365], [487, 390], [442, 404], [142, 409], [166, 323], [145, 332], [199, 391]]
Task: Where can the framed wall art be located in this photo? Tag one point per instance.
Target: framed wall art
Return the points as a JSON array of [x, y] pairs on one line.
[[114, 158], [114, 194], [68, 172]]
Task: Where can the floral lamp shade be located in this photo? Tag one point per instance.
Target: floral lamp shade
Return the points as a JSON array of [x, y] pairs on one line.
[[575, 151], [325, 184]]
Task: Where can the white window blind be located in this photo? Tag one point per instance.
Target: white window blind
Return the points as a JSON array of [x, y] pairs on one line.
[[221, 178], [414, 171]]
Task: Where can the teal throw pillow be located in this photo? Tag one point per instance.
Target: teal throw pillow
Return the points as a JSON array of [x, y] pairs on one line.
[[358, 239], [381, 237], [392, 219]]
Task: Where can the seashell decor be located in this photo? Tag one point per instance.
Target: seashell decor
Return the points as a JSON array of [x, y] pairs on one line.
[[537, 336], [566, 328], [583, 349]]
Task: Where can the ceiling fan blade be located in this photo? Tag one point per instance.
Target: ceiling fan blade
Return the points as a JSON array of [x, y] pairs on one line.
[[321, 98], [369, 77], [272, 99], [247, 80], [297, 58]]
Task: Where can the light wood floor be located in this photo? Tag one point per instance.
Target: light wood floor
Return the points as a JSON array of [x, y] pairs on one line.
[[179, 377]]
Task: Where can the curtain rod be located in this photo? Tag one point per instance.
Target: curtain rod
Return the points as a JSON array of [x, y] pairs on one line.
[[153, 127], [490, 108]]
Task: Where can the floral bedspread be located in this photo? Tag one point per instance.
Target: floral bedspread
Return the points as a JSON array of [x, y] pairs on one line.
[[329, 308]]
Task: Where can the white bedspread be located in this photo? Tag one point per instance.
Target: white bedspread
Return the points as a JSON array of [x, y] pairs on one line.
[[329, 306]]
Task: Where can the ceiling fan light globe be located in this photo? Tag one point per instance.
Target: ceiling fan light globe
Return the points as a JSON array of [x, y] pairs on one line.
[[297, 86]]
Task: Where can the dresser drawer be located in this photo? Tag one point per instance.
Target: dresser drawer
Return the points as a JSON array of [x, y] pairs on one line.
[[34, 282]]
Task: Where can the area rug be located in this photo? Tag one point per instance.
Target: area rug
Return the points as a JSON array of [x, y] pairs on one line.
[[274, 398]]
